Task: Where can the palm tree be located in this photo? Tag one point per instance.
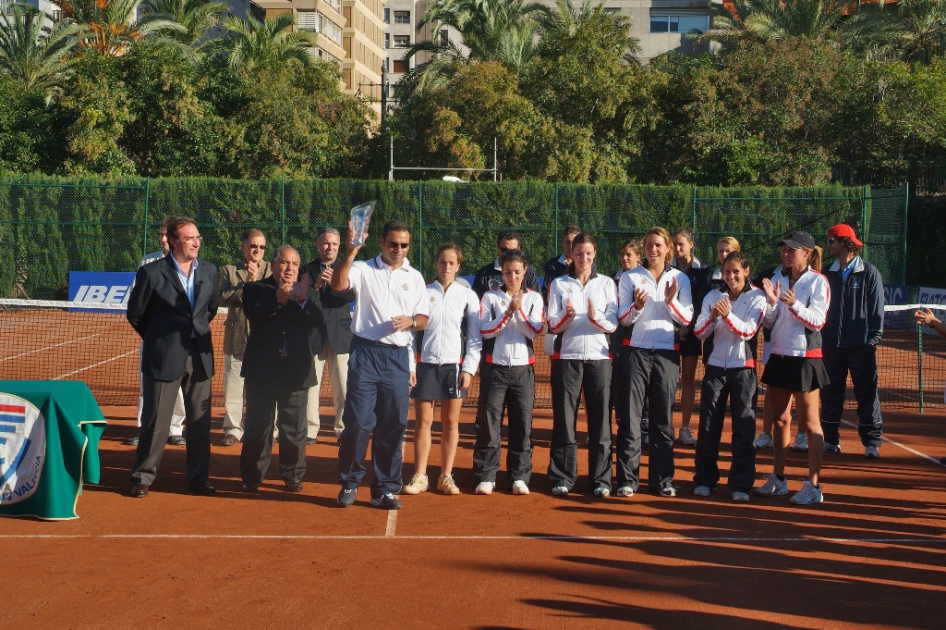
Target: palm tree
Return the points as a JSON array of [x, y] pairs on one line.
[[114, 25], [914, 31], [567, 21], [251, 44], [774, 20], [196, 16], [31, 51]]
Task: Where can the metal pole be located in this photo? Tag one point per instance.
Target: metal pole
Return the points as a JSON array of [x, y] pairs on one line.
[[906, 205], [282, 209], [495, 159], [384, 91], [391, 172], [693, 207], [555, 234], [144, 230], [420, 226], [919, 362]]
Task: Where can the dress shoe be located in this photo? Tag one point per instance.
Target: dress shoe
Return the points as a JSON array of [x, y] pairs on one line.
[[294, 485], [229, 440], [177, 440], [131, 441], [346, 497], [139, 490], [310, 441], [249, 488], [203, 487]]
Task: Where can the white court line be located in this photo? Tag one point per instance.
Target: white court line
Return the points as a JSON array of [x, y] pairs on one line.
[[391, 527], [94, 365], [536, 537], [903, 446], [64, 343]]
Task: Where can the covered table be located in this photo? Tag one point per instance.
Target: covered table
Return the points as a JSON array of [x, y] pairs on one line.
[[49, 445]]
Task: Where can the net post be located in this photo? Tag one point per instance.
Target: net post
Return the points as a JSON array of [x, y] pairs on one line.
[[919, 361], [144, 225], [906, 206]]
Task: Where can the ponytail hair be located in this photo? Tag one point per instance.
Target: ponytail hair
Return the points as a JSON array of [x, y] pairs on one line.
[[815, 259], [582, 238]]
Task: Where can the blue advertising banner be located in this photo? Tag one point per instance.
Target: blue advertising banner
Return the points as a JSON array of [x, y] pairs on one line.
[[101, 287], [896, 294]]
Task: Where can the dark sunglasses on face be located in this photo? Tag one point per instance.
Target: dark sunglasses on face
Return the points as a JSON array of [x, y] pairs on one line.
[[399, 245], [833, 239], [260, 247]]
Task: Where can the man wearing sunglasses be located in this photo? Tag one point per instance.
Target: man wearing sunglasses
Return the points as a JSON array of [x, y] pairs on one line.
[[253, 267], [852, 330]]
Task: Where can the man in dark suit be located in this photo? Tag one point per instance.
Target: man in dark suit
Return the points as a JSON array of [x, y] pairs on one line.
[[278, 370], [490, 276], [171, 306], [331, 341]]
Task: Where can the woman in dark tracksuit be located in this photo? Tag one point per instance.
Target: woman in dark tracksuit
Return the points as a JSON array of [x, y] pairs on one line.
[[732, 317], [690, 347], [655, 299], [582, 312], [621, 350]]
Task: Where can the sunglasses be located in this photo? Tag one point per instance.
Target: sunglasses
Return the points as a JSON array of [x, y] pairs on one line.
[[833, 239], [398, 245], [260, 247]]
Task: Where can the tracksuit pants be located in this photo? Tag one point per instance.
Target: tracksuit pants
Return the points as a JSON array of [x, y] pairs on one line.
[[652, 376], [620, 400], [862, 364], [514, 386], [262, 400], [376, 406], [720, 385], [569, 379]]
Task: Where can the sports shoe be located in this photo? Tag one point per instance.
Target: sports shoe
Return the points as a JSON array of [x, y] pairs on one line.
[[772, 487], [740, 497], [347, 496], [801, 442], [807, 495], [872, 452], [702, 491], [386, 501], [560, 491], [832, 449], [447, 485], [519, 487], [625, 491], [602, 493], [416, 485], [764, 440], [686, 438], [229, 440], [485, 487], [668, 491]]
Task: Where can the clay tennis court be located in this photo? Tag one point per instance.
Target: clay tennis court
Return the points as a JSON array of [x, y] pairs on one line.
[[872, 555]]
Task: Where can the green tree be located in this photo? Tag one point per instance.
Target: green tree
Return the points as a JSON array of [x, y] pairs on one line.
[[196, 16], [912, 30], [113, 26], [31, 51], [250, 44], [774, 20]]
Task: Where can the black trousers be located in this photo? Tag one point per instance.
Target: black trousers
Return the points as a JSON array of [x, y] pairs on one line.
[[262, 400], [652, 376], [568, 381], [720, 384], [620, 398], [156, 409], [514, 386], [862, 364]]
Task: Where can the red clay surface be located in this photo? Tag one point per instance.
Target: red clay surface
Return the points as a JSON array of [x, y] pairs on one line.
[[872, 556]]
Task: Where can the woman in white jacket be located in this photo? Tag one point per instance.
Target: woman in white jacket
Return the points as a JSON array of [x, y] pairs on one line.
[[798, 298], [448, 355], [582, 314], [655, 299], [510, 318], [731, 317]]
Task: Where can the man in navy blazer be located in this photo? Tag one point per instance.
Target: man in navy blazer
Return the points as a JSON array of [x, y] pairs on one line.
[[171, 306]]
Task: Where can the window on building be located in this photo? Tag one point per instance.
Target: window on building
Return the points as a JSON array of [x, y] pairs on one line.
[[387, 16], [308, 21], [611, 11], [402, 17], [402, 41], [444, 37], [678, 23], [400, 66], [387, 40]]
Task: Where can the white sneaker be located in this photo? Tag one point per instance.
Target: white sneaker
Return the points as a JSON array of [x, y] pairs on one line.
[[740, 497], [702, 491], [560, 491], [801, 442], [872, 452], [772, 487], [519, 487], [485, 487], [417, 484], [625, 491], [807, 495], [764, 440], [602, 493], [686, 438]]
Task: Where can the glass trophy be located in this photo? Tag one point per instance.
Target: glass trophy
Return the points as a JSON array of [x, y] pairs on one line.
[[360, 218]]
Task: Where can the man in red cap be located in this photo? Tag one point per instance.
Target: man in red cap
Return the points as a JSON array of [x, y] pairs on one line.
[[854, 326]]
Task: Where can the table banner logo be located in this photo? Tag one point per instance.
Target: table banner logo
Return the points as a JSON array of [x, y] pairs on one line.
[[22, 448]]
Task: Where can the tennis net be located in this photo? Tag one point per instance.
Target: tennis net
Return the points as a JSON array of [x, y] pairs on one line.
[[92, 342]]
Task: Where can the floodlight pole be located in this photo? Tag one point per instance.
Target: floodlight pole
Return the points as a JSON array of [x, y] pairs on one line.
[[391, 172]]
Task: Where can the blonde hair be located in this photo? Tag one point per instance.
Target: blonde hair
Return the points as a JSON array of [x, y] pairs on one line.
[[665, 235], [815, 259], [731, 242]]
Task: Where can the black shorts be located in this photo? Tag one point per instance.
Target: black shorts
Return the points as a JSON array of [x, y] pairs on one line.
[[438, 382], [796, 374], [692, 346]]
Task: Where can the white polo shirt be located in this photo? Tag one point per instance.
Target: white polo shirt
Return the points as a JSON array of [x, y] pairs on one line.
[[382, 293]]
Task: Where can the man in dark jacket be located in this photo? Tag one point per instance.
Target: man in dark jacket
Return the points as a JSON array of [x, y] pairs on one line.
[[331, 342], [278, 370], [171, 306], [853, 328], [490, 277]]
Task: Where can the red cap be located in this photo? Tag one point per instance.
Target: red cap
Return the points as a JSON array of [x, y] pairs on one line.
[[842, 229]]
